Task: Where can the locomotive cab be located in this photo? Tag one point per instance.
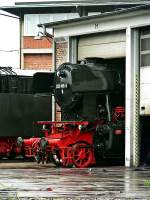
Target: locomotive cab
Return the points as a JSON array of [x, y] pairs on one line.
[[43, 82]]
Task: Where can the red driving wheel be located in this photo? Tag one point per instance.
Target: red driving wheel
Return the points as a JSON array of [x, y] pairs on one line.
[[82, 155]]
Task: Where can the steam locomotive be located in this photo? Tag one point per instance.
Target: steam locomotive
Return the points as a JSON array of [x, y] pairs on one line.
[[91, 97], [20, 105]]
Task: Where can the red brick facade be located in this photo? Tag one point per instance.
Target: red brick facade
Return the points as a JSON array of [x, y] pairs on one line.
[[30, 43], [61, 53], [38, 61]]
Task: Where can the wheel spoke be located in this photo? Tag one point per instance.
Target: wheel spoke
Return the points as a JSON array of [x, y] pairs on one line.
[[82, 155], [67, 157], [78, 159]]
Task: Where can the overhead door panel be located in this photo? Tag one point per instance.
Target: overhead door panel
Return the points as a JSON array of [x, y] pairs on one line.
[[104, 45]]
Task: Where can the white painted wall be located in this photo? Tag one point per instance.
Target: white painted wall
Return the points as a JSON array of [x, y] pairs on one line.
[[9, 41], [9, 38], [104, 24]]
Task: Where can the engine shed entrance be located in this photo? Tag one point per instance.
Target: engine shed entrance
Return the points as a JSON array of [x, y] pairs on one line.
[[111, 47], [117, 37], [118, 47]]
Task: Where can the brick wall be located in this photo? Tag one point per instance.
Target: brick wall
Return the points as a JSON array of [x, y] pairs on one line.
[[30, 43], [61, 53], [38, 61], [61, 57]]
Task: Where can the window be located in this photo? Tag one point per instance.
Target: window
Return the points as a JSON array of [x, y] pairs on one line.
[[145, 47], [31, 21]]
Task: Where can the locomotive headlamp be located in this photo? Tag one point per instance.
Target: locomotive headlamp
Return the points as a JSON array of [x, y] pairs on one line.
[[61, 74]]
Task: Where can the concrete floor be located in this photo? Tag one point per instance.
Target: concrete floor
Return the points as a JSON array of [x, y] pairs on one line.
[[29, 180]]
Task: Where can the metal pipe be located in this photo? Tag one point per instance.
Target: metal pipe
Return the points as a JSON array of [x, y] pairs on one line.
[[108, 107]]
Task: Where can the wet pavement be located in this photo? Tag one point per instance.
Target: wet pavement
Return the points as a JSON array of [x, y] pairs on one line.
[[29, 180]]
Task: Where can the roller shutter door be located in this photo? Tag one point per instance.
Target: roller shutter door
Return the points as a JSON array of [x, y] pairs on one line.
[[104, 45]]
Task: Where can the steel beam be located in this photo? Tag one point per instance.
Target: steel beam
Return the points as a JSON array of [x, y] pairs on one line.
[[132, 139]]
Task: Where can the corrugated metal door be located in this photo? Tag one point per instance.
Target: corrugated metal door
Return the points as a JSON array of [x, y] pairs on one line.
[[104, 45]]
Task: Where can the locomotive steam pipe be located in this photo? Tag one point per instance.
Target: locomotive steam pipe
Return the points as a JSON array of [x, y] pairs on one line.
[[108, 107]]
